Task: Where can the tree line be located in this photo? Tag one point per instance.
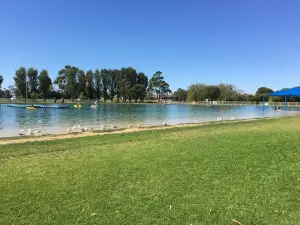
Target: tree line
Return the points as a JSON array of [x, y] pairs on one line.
[[222, 92], [125, 84], [225, 92]]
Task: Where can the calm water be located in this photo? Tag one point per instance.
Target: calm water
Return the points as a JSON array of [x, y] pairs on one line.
[[122, 115]]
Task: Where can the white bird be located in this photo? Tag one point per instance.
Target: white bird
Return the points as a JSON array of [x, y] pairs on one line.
[[76, 127], [22, 132]]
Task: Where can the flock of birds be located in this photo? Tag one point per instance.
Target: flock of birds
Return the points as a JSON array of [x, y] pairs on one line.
[[78, 128], [29, 131]]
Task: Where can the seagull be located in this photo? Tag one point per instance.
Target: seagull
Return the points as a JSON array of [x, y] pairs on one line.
[[76, 127], [22, 132]]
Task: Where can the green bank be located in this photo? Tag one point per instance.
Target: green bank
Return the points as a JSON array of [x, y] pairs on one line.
[[248, 171]]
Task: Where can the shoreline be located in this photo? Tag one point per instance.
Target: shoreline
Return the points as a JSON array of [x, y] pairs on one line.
[[91, 133]]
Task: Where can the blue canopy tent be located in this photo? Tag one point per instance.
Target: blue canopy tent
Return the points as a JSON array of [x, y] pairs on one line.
[[284, 93]]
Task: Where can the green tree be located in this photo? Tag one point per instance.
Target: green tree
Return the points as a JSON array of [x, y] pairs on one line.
[[113, 83], [181, 94], [67, 80], [81, 81], [44, 83], [263, 91], [32, 75], [141, 86], [212, 92], [251, 97], [105, 83], [196, 92], [158, 85], [138, 91], [20, 82], [227, 92], [1, 81], [165, 89], [97, 83], [7, 93], [89, 87], [123, 85], [131, 77]]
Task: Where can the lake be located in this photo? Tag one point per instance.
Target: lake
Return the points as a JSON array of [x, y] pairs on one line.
[[55, 121]]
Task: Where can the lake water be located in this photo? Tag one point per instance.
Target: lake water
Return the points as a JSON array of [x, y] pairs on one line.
[[57, 121]]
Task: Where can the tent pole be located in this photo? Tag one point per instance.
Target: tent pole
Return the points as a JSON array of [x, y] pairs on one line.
[[284, 103]]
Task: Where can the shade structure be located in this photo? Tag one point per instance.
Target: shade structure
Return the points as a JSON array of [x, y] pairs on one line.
[[284, 93], [289, 92]]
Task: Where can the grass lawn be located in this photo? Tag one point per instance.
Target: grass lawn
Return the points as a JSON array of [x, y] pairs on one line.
[[248, 171]]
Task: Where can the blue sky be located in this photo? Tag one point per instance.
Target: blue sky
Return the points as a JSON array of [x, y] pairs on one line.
[[246, 43]]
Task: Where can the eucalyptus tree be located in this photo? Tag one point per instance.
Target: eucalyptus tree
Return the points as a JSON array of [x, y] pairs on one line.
[[20, 79], [67, 81], [44, 83], [32, 75], [89, 85]]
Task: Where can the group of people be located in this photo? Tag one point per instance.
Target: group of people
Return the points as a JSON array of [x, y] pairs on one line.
[[277, 108]]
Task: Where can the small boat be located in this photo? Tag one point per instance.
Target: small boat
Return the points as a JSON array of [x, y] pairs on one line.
[[94, 106], [77, 106], [30, 108]]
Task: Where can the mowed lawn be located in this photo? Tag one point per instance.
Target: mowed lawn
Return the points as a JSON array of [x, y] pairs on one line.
[[248, 171]]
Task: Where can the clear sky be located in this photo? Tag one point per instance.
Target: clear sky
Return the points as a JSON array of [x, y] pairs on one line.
[[249, 43]]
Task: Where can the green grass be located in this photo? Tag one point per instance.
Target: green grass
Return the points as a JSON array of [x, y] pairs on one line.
[[209, 174]]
